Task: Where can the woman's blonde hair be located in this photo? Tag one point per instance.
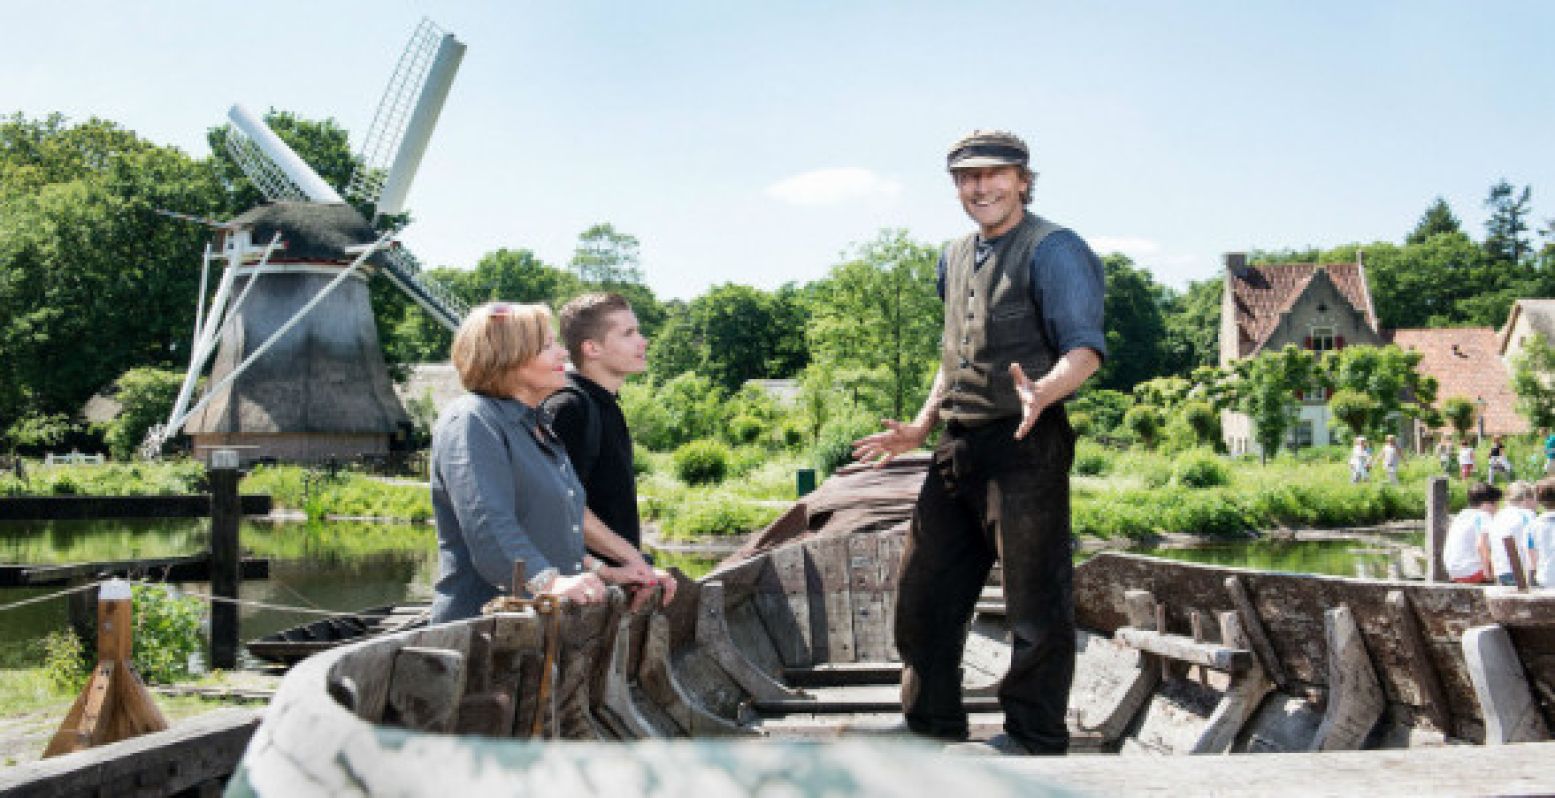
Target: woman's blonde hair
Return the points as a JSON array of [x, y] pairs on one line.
[[494, 340]]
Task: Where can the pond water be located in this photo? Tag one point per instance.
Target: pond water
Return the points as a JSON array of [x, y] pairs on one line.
[[343, 566]]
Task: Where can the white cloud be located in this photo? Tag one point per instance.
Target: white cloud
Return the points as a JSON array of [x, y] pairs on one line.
[[1131, 246], [833, 187]]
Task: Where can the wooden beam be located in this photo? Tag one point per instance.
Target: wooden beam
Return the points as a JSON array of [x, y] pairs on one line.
[[838, 674], [425, 688], [1355, 697], [1422, 666], [192, 568], [1437, 518], [1252, 624], [1515, 558], [1241, 699], [1183, 649], [712, 632], [1511, 714], [657, 677]]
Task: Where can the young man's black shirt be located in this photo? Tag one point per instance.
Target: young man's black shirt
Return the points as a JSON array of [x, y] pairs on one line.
[[606, 474]]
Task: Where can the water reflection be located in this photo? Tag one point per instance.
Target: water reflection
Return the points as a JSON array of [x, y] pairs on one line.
[[344, 566]]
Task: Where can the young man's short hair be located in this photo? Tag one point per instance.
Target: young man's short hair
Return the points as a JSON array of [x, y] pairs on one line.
[[1481, 492], [1545, 492], [584, 319]]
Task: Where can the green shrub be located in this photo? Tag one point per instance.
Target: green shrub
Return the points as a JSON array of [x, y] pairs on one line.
[[1091, 460], [63, 485], [1080, 422], [702, 462], [718, 514], [744, 429], [746, 459], [1198, 468], [789, 434], [834, 446], [1144, 421], [642, 462], [167, 631], [65, 663]]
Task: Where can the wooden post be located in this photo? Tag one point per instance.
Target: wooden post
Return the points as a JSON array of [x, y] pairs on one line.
[[226, 513], [114, 705], [1515, 558], [1436, 520]]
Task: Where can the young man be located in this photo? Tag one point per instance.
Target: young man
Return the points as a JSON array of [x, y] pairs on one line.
[[606, 346], [1511, 523], [1541, 534], [1466, 551], [1023, 330]]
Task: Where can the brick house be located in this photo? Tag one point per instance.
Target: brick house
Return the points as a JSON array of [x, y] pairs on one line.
[[1324, 307], [1320, 307]]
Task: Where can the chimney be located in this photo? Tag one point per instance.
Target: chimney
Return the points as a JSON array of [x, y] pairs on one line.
[[1236, 262]]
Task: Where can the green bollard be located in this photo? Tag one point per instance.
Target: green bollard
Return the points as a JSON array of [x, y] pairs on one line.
[[804, 481]]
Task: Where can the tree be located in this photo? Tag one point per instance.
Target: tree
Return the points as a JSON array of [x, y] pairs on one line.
[[1354, 409], [730, 334], [1145, 422], [1135, 327], [1266, 390], [1533, 379], [1437, 219], [1201, 417], [880, 308], [1459, 412], [1506, 230], [145, 396], [1387, 377], [605, 256], [1193, 327], [92, 280]]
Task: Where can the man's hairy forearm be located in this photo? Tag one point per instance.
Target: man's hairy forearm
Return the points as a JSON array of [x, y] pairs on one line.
[[601, 540], [1070, 372], [929, 415]]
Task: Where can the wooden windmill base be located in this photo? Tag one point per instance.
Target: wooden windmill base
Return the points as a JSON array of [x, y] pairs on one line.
[[115, 705]]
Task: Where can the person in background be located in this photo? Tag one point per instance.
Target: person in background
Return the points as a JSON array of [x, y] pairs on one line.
[[1360, 459], [1511, 523], [1465, 460], [1392, 456], [606, 346], [1498, 461], [1549, 451], [1444, 453], [1466, 552], [1541, 535], [503, 489]]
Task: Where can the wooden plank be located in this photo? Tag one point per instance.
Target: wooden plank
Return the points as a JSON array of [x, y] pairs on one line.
[[425, 689], [844, 700], [1112, 684], [1422, 666], [1355, 698], [1437, 517], [194, 751], [88, 508], [892, 544], [1515, 558], [1511, 714], [712, 633], [833, 627], [1242, 697], [660, 683], [1252, 625], [617, 708], [783, 601], [871, 638], [838, 674], [1183, 649]]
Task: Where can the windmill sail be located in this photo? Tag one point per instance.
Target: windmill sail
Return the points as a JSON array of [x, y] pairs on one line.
[[397, 138]]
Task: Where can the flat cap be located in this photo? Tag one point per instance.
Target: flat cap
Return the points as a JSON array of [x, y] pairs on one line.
[[987, 148]]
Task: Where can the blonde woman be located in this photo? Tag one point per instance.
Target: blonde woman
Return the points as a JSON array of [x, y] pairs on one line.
[[502, 487]]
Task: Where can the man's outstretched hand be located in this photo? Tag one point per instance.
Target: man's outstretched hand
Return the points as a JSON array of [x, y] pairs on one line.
[[1031, 401], [879, 448]]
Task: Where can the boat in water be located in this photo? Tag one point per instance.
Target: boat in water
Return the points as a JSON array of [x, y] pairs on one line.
[[790, 640]]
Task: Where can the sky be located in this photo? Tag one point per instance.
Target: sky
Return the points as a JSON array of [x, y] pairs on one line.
[[760, 143]]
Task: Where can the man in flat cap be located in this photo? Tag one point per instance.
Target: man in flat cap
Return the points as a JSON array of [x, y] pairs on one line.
[[1023, 330]]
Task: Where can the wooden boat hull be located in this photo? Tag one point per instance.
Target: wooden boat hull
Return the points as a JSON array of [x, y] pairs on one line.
[[304, 640], [792, 643]]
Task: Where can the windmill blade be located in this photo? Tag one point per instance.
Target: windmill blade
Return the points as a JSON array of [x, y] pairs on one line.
[[275, 169], [401, 127], [404, 270]]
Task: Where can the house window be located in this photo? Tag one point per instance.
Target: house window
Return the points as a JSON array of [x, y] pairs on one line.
[[1301, 435], [1315, 394], [1322, 339]]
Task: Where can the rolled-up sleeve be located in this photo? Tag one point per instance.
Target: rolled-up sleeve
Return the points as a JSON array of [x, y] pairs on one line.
[[481, 481], [1069, 285]]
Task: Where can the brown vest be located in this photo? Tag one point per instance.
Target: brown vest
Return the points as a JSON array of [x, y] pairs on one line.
[[991, 321]]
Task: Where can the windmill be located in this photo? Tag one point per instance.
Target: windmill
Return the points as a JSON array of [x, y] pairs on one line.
[[298, 373]]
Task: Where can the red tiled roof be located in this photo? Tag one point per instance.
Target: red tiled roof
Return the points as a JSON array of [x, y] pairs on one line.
[[1466, 362], [1262, 294]]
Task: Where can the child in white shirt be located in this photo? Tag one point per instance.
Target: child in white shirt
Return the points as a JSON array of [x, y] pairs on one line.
[[1466, 552]]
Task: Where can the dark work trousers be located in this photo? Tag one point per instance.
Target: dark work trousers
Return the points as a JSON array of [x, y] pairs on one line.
[[988, 495]]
